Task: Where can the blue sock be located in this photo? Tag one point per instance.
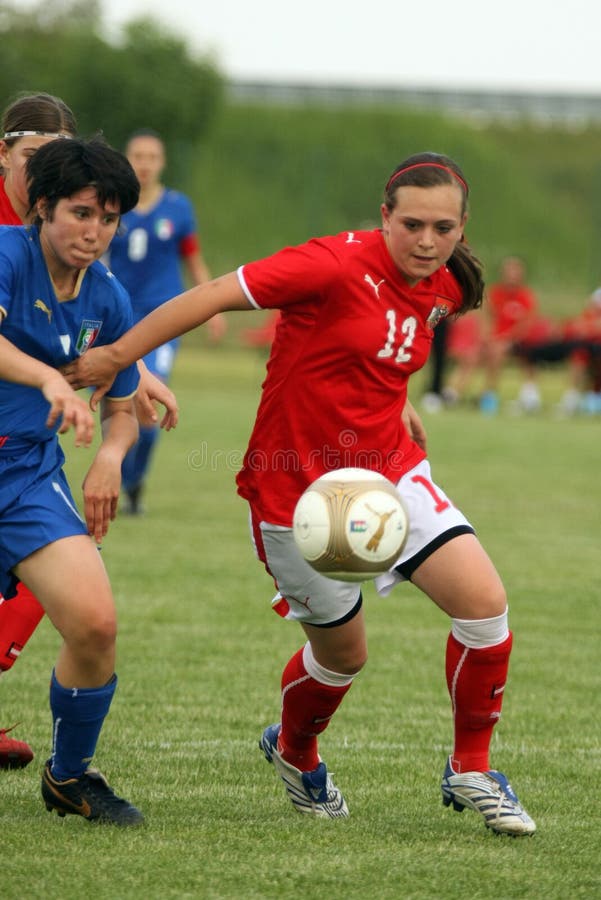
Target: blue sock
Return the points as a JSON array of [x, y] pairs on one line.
[[137, 461], [77, 717]]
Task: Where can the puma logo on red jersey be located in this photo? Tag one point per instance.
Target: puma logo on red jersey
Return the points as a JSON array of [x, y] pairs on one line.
[[373, 284]]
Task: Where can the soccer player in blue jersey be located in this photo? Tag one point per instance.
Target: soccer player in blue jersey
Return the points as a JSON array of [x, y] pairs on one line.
[[56, 301], [29, 121], [157, 242]]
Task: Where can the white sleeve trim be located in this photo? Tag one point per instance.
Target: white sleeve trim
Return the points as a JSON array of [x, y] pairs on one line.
[[246, 289]]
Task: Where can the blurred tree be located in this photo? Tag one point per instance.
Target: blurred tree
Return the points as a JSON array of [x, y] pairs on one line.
[[146, 80]]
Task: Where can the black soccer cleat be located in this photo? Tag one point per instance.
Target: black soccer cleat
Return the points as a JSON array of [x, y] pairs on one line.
[[89, 796]]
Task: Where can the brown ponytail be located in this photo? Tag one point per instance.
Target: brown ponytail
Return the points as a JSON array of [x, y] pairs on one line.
[[467, 269]]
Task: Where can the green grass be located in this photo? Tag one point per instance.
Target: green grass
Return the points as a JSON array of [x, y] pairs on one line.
[[200, 656]]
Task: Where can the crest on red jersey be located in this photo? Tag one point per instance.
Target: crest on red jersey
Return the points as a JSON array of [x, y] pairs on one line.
[[439, 311]]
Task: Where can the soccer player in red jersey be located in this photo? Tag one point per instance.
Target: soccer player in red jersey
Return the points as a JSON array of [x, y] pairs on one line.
[[358, 312]]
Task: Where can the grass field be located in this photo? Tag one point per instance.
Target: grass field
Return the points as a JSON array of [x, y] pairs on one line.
[[200, 657]]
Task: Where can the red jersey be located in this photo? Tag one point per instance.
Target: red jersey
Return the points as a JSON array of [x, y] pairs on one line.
[[351, 332], [509, 306], [7, 214]]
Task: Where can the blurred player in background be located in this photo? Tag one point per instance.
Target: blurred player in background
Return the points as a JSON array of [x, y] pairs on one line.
[[465, 350], [31, 120], [56, 300], [514, 323], [583, 335], [146, 255], [358, 312]]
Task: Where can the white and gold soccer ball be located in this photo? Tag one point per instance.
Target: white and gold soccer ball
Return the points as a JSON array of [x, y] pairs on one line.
[[350, 524]]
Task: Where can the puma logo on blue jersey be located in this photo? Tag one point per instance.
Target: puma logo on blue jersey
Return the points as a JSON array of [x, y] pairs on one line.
[[39, 304]]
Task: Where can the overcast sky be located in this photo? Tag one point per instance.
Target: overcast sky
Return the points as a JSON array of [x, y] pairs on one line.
[[513, 44]]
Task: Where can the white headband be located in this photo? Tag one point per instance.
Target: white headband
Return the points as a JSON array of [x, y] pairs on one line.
[[18, 134]]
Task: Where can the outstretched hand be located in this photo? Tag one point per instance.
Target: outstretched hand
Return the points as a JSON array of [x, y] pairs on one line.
[[94, 369], [152, 390], [74, 411]]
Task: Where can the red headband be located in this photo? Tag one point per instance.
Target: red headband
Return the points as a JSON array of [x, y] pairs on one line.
[[432, 165]]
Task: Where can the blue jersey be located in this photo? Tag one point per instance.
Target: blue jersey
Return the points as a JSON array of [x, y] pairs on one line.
[[52, 331], [146, 253]]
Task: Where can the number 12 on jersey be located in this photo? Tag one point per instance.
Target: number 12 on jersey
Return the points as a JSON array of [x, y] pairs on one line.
[[406, 338]]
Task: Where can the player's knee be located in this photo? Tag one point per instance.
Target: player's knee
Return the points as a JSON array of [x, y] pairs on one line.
[[329, 663], [103, 635], [349, 661], [359, 661], [496, 600], [97, 636], [485, 601]]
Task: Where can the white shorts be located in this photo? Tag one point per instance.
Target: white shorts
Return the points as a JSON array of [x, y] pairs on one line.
[[306, 596]]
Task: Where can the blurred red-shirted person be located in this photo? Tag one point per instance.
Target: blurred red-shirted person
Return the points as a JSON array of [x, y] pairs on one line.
[[514, 321], [584, 332]]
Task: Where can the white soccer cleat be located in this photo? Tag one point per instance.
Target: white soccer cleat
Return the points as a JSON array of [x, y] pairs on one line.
[[310, 792], [490, 794]]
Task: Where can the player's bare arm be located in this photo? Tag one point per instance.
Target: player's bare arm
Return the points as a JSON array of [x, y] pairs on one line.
[[100, 365], [414, 425], [102, 483], [21, 368]]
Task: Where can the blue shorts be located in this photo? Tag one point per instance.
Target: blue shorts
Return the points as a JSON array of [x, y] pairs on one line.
[[160, 360], [36, 507]]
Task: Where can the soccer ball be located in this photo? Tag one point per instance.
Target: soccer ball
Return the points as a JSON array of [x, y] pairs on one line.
[[350, 524]]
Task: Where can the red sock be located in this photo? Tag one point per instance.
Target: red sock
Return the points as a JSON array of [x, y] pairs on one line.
[[19, 618], [307, 707], [476, 681]]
